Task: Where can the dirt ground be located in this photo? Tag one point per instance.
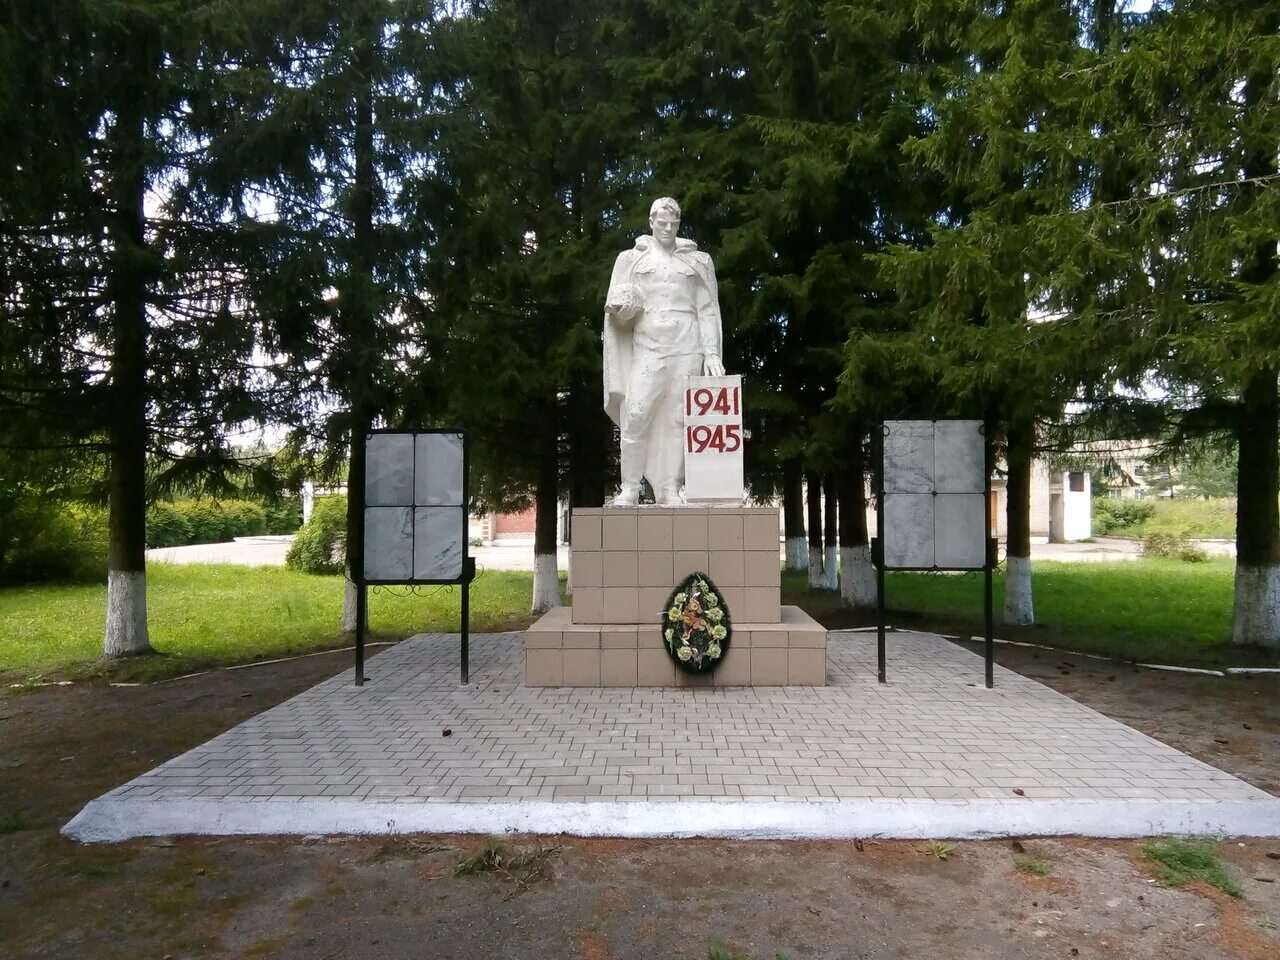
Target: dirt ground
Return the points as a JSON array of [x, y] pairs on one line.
[[393, 898]]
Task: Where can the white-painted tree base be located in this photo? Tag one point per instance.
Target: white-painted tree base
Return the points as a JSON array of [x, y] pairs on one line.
[[108, 820], [568, 574], [817, 577], [797, 553], [126, 633], [1019, 610], [857, 577], [1256, 611], [546, 583], [830, 569], [349, 594]]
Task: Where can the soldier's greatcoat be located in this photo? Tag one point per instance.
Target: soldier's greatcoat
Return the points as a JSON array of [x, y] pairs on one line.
[[617, 334]]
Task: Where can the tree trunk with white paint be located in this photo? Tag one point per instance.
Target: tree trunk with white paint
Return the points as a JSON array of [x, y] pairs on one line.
[[1019, 608], [546, 580], [813, 501], [793, 516], [857, 577], [857, 572], [830, 567], [126, 633], [546, 583], [830, 534], [1255, 615], [126, 629], [349, 594]]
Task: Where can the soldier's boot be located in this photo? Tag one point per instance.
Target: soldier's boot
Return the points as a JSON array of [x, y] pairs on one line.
[[669, 495], [632, 457]]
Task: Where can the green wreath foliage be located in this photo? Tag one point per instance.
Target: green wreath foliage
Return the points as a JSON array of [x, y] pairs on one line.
[[695, 625]]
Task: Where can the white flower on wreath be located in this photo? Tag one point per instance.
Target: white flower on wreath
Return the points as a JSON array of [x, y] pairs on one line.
[[681, 597], [673, 613], [719, 631], [685, 653], [715, 614], [714, 651], [712, 600]]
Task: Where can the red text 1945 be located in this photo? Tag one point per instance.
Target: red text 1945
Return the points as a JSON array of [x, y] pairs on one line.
[[723, 438]]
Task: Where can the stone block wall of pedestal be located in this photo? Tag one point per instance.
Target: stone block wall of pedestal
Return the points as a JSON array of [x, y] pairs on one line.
[[561, 653], [627, 560], [625, 563]]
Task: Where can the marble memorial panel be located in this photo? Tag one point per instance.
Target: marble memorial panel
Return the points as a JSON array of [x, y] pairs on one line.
[[439, 535], [388, 543], [960, 530], [439, 469], [908, 533], [959, 457], [388, 470], [908, 456]]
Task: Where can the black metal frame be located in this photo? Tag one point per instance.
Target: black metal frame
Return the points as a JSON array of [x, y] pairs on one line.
[[987, 568], [356, 556]]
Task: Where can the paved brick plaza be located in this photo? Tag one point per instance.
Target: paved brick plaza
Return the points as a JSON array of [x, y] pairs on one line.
[[931, 753]]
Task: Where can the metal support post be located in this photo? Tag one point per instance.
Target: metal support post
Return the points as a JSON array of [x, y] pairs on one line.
[[989, 613], [877, 553], [468, 574], [362, 620]]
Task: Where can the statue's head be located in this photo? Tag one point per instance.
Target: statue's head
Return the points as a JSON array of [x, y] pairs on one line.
[[665, 205], [664, 219]]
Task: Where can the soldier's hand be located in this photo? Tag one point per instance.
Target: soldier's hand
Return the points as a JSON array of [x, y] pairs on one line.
[[711, 366]]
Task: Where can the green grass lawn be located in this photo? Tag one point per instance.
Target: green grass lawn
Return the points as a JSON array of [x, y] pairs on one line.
[[201, 615], [1167, 611], [208, 614]]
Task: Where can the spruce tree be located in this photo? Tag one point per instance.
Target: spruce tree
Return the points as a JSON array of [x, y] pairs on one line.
[[319, 141], [535, 129], [129, 324]]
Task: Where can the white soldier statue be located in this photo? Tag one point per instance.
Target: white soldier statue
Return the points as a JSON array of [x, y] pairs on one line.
[[662, 324]]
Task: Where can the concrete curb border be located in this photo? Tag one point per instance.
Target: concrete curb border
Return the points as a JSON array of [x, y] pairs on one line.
[[112, 820], [1225, 672]]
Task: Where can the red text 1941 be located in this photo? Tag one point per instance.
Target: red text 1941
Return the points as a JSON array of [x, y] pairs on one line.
[[703, 401]]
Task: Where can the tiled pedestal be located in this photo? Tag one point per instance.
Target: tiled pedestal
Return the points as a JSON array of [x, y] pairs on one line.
[[560, 653], [627, 560]]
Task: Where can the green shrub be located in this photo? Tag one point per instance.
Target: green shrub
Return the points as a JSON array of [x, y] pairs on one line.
[[320, 546], [167, 526], [45, 540], [243, 518], [1164, 545], [1110, 515], [1172, 546], [284, 515], [180, 522], [207, 524]]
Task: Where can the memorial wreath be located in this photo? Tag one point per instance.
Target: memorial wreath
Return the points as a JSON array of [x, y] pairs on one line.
[[695, 625]]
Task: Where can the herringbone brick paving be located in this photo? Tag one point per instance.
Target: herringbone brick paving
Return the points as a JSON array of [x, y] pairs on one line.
[[934, 733]]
